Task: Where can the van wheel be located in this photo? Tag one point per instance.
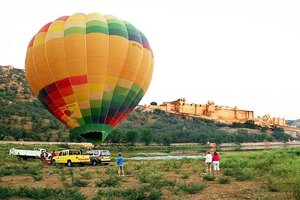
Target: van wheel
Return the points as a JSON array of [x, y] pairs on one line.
[[69, 163], [94, 163]]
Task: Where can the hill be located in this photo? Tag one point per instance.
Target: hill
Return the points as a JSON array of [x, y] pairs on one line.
[[22, 117], [294, 122]]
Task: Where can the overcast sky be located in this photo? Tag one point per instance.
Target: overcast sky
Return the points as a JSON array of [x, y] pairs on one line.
[[235, 53]]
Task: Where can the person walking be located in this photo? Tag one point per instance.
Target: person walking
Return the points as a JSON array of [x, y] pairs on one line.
[[208, 161], [120, 163], [216, 162]]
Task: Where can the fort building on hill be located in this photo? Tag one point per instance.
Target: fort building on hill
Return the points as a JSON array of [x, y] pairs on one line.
[[212, 111]]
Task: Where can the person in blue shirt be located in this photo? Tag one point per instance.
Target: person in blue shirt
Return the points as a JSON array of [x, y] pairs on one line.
[[120, 163]]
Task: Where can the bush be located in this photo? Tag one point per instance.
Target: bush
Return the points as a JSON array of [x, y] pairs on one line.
[[37, 177], [229, 172], [80, 183], [110, 182], [185, 176], [192, 188], [208, 177], [224, 180], [244, 175], [274, 185]]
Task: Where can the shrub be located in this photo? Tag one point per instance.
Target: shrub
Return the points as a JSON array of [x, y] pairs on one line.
[[86, 175], [273, 185], [72, 194], [224, 180], [25, 192], [80, 183], [192, 188], [163, 183], [208, 177], [185, 176], [144, 177], [37, 177], [229, 172], [110, 182], [155, 195], [244, 175]]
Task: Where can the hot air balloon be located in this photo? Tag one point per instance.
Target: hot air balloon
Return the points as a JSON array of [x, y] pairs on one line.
[[89, 71]]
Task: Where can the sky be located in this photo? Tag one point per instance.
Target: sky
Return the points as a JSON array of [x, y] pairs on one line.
[[234, 52]]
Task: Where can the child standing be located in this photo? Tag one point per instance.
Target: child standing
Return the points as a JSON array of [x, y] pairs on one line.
[[208, 161], [120, 163], [216, 162]]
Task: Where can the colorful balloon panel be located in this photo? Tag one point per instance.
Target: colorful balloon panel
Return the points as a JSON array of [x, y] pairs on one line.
[[89, 71]]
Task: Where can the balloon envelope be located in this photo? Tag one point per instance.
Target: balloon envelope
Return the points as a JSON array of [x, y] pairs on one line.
[[89, 71]]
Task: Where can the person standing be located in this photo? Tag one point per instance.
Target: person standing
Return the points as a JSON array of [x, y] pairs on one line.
[[43, 156], [120, 163], [216, 162], [208, 161], [53, 154]]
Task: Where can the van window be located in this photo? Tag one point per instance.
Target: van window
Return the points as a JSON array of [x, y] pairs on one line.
[[105, 153]]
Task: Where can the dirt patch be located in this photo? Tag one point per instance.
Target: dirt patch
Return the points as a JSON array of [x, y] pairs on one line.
[[28, 181]]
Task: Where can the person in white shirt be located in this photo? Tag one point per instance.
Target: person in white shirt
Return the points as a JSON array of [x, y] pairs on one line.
[[208, 161]]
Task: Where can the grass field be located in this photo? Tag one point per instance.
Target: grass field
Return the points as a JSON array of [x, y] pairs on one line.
[[272, 174]]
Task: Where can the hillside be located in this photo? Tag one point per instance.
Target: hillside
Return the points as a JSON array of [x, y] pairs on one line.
[[22, 117], [294, 122]]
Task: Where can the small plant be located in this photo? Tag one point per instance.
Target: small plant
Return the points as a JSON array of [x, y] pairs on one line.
[[224, 180], [80, 183], [229, 172], [184, 176], [72, 194], [110, 182], [195, 168], [273, 185], [37, 177], [192, 188], [244, 175], [208, 177], [144, 177], [110, 192], [111, 171], [86, 175], [155, 195]]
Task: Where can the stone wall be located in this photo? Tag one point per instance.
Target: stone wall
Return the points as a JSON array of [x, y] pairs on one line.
[[209, 110]]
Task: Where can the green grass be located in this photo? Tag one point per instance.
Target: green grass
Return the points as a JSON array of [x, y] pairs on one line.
[[277, 169]]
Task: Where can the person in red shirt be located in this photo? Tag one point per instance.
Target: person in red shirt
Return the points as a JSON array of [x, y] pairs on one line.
[[216, 162]]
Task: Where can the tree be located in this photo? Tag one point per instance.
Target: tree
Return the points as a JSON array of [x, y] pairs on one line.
[[240, 137], [147, 136], [250, 124], [115, 136], [132, 137], [278, 134], [166, 139]]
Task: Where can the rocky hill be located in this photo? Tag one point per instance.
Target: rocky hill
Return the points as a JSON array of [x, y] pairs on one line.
[[22, 117]]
